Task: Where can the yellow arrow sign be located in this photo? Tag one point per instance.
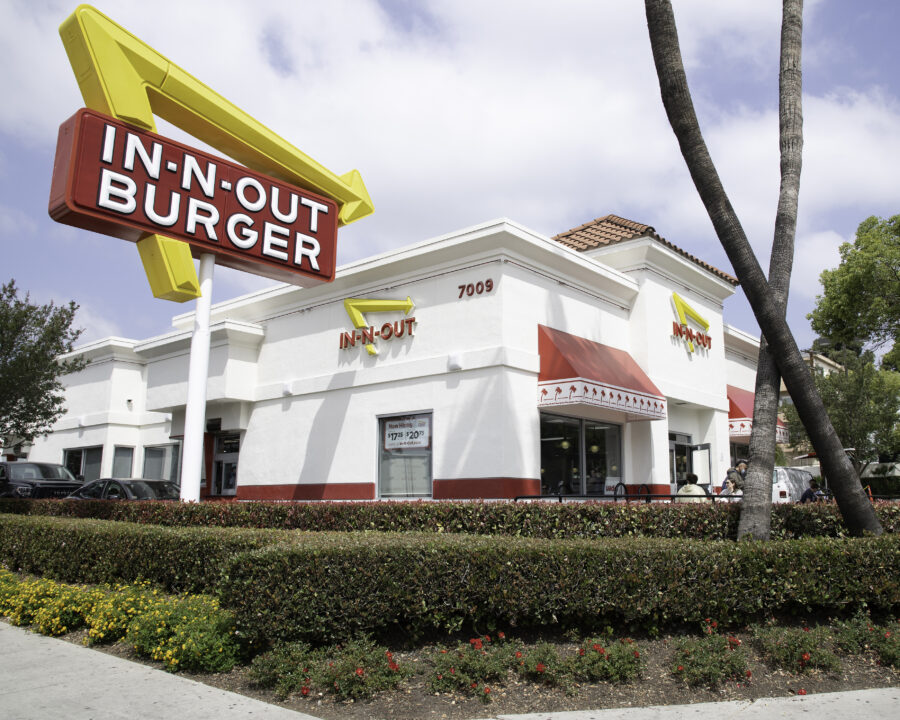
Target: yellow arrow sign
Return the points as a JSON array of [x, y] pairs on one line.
[[121, 76], [685, 311], [355, 308]]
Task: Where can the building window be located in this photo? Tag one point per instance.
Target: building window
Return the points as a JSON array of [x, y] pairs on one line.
[[579, 457], [84, 462], [404, 467], [161, 462], [123, 461]]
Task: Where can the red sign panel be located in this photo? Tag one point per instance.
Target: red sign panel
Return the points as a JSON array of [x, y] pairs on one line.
[[114, 179]]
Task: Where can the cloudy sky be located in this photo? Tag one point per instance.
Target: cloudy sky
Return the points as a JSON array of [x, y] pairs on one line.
[[461, 111]]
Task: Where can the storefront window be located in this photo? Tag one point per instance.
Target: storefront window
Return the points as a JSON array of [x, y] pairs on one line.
[[161, 462], [123, 461], [84, 462], [579, 457], [404, 467]]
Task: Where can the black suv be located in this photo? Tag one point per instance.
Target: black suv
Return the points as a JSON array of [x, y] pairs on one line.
[[36, 480]]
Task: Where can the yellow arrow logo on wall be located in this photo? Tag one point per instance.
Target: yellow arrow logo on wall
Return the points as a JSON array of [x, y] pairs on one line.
[[685, 311], [121, 76], [355, 308]]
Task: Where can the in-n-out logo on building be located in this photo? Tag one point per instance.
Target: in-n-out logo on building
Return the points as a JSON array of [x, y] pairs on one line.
[[365, 333], [680, 328]]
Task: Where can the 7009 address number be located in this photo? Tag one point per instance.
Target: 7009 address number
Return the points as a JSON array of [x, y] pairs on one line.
[[478, 288]]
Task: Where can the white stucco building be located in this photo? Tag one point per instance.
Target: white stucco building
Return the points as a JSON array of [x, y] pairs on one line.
[[494, 362]]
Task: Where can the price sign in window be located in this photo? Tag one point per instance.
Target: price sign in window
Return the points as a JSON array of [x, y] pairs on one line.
[[405, 456], [410, 432]]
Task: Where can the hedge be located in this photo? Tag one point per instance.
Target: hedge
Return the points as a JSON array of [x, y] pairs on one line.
[[322, 586], [712, 521], [328, 586], [99, 551]]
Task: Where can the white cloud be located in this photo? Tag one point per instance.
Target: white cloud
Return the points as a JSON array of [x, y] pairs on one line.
[[96, 324], [548, 113], [814, 253]]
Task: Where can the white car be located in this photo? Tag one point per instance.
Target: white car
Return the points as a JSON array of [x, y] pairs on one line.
[[788, 484]]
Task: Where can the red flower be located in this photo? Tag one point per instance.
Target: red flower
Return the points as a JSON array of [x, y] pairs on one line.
[[501, 635], [393, 666], [749, 674], [440, 677], [474, 685], [541, 667], [805, 657], [680, 668], [637, 654], [487, 638], [389, 655], [581, 652], [598, 648], [360, 672], [805, 629], [518, 654], [801, 691], [452, 671], [476, 643], [487, 691], [304, 691]]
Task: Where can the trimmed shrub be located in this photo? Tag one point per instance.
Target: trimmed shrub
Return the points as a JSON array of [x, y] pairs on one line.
[[797, 650], [97, 551], [708, 521], [710, 660], [327, 586]]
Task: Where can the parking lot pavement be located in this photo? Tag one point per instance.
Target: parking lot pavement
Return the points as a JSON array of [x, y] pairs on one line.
[[44, 678]]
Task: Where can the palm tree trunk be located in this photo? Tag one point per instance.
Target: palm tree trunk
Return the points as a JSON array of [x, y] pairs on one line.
[[756, 509], [858, 514]]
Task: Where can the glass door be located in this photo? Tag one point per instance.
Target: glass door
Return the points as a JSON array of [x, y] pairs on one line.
[[225, 464]]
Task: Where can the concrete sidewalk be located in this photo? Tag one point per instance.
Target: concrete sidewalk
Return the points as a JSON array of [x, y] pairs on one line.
[[44, 678]]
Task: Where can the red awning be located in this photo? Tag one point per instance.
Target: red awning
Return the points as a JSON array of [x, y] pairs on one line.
[[577, 371], [740, 415]]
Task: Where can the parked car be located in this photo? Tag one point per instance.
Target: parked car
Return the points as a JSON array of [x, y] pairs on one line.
[[127, 489], [788, 484], [36, 480]]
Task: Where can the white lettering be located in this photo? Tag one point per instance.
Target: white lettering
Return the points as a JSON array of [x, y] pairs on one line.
[[310, 253], [109, 144], [269, 232], [150, 207], [314, 208], [119, 199], [209, 221], [248, 237], [292, 213], [191, 169], [241, 188], [133, 145]]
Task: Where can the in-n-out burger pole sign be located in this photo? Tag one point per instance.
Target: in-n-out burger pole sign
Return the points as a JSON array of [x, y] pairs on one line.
[[112, 178]]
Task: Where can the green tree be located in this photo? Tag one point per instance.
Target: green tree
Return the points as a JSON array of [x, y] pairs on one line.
[[863, 403], [860, 303], [32, 339]]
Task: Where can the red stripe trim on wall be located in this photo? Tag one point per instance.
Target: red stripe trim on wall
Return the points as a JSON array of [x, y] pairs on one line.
[[466, 488]]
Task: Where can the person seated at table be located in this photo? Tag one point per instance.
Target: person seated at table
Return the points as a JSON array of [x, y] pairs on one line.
[[691, 491]]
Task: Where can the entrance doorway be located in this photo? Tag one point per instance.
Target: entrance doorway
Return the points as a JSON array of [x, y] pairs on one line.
[[225, 462], [685, 457]]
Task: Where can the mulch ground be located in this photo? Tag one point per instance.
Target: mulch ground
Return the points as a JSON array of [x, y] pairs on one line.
[[657, 686]]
